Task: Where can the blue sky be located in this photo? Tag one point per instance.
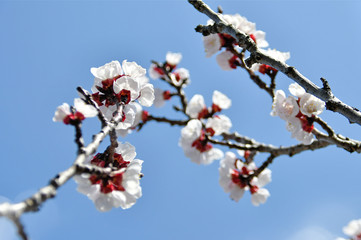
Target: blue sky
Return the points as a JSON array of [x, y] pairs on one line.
[[47, 50]]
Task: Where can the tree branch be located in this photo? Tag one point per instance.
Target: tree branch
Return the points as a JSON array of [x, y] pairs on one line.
[[244, 41]]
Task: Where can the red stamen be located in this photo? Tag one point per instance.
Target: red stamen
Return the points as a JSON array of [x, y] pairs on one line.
[[233, 62], [166, 95], [124, 96], [74, 118], [201, 143], [253, 38], [145, 115], [210, 131], [254, 189], [203, 113], [216, 108]]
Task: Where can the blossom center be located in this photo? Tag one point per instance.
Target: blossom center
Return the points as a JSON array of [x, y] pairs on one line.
[[201, 143]]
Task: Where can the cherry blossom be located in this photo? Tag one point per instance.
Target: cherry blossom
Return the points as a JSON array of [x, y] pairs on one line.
[[177, 76], [161, 97], [136, 120], [197, 108], [284, 107], [220, 101], [73, 115], [236, 178], [173, 58], [353, 230], [300, 129], [214, 42], [155, 72], [299, 113], [180, 76], [120, 189], [218, 124], [115, 83], [227, 60], [195, 145], [309, 104]]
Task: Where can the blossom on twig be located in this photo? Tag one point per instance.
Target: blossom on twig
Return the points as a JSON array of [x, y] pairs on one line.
[[353, 230], [197, 108], [236, 178], [120, 188], [298, 113], [76, 114]]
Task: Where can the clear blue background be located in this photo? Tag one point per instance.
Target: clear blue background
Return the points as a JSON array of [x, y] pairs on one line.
[[46, 51]]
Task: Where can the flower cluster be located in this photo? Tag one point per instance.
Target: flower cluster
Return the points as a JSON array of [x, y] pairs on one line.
[[353, 230], [194, 136], [120, 85], [119, 189], [237, 176], [298, 113], [228, 59], [168, 71]]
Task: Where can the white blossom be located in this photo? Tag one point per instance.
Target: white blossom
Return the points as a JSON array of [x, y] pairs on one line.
[[146, 96], [120, 190], [212, 44], [107, 71], [121, 131], [296, 90], [221, 100], [159, 99], [260, 196], [64, 111], [294, 126], [311, 105], [353, 229], [155, 72], [233, 179], [194, 145], [180, 76], [220, 124], [195, 106], [284, 107], [173, 58], [226, 60]]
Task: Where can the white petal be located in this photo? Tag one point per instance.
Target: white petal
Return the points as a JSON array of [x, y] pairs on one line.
[[127, 83], [132, 69], [296, 90], [104, 202], [109, 70], [127, 151], [212, 44], [195, 105], [220, 124], [260, 196], [86, 109], [61, 112], [264, 177], [221, 100], [236, 193], [146, 95], [311, 105], [173, 58], [223, 60]]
